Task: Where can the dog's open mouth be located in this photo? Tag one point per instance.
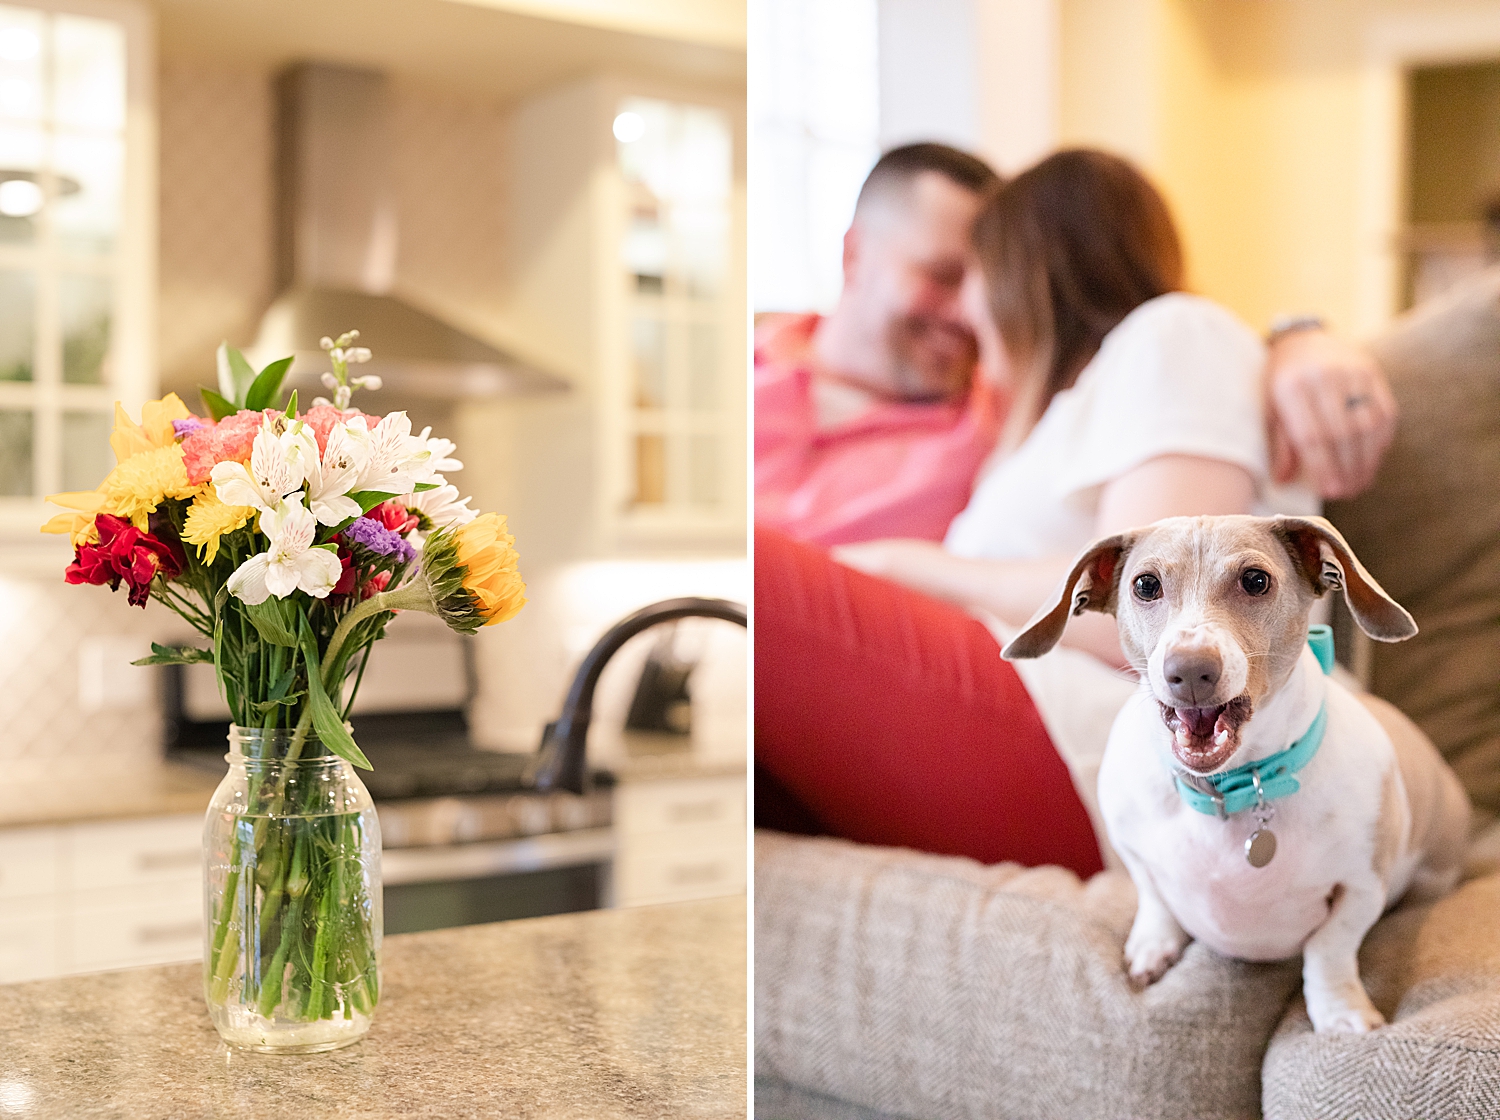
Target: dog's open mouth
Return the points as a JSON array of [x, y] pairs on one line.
[[1204, 738]]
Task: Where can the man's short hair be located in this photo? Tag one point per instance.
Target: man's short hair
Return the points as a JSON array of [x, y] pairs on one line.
[[894, 171]]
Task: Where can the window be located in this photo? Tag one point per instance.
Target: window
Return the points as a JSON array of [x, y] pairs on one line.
[[73, 279], [815, 120], [681, 408]]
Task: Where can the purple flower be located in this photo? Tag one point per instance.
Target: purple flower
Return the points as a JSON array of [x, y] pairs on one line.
[[374, 537], [182, 427]]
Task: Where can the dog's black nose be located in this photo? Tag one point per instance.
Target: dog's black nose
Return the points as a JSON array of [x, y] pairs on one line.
[[1192, 675]]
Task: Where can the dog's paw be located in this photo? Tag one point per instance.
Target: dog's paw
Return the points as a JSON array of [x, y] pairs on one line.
[[1354, 1015], [1148, 954]]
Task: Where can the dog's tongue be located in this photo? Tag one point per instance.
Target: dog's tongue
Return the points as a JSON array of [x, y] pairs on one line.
[[1199, 721]]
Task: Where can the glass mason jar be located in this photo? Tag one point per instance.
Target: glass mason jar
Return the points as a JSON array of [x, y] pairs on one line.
[[291, 896]]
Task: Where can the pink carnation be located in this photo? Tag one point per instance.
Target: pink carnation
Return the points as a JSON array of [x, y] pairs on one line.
[[321, 419], [228, 441]]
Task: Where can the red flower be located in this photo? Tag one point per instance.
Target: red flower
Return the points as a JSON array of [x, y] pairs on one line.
[[124, 553], [394, 516], [346, 580], [374, 585]]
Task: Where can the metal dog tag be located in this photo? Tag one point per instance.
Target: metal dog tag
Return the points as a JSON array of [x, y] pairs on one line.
[[1260, 849]]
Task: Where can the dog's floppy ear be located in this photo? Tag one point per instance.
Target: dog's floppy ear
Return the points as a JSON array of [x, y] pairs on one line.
[[1090, 586], [1327, 561]]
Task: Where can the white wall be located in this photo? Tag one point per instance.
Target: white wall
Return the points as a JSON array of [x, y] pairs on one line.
[[834, 82]]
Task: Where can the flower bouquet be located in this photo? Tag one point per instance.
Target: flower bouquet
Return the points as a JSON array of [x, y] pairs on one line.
[[288, 540]]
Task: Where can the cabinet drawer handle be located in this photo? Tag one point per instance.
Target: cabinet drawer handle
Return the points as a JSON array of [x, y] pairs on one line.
[[694, 812], [164, 861], [150, 935]]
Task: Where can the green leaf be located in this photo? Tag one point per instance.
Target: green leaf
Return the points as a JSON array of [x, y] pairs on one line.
[[265, 706], [266, 385], [325, 716], [175, 655], [369, 499], [421, 486], [275, 620], [235, 374], [279, 689], [291, 406], [218, 407]]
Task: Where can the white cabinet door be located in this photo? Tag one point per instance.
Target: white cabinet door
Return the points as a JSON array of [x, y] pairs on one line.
[[163, 924], [679, 867], [28, 940], [136, 853], [29, 864], [662, 806], [679, 839]]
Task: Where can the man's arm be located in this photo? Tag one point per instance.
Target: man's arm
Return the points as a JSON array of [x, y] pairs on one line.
[[1331, 412]]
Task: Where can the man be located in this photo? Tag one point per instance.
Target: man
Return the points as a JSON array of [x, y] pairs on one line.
[[869, 422]]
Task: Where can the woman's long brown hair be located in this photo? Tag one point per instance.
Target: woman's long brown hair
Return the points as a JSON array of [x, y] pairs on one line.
[[1069, 248]]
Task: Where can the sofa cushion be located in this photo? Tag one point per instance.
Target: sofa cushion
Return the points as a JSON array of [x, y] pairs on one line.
[[933, 987], [1434, 972], [1427, 528]]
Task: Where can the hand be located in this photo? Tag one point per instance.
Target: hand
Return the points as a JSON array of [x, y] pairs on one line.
[[899, 560], [1331, 413]]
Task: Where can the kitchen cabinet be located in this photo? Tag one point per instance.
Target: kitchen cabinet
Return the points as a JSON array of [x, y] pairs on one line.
[[77, 244], [84, 897], [627, 274], [679, 839]]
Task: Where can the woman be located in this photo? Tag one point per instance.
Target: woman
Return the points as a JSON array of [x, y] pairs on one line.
[[882, 704]]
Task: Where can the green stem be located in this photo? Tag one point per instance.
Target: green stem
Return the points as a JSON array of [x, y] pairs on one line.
[[291, 928], [410, 597]]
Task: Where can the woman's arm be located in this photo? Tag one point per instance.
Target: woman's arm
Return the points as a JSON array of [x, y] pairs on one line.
[[1169, 486]]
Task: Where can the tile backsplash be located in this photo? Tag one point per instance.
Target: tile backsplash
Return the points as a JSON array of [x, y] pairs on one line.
[[78, 705]]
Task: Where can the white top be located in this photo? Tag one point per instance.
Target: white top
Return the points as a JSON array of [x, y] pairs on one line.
[[1178, 376]]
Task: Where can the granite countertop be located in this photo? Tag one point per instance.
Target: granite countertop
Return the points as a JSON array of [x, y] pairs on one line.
[[152, 790], [636, 1012]]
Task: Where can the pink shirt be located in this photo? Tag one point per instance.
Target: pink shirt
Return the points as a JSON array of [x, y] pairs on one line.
[[895, 470]]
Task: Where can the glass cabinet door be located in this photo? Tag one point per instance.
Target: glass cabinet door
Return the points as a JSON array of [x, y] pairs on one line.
[[676, 162], [63, 102]]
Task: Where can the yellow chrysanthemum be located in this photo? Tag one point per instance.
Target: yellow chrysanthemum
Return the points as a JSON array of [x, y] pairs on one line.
[[493, 574], [140, 483], [154, 431], [208, 519], [137, 490]]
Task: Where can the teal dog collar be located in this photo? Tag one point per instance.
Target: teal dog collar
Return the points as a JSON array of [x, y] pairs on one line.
[[1236, 790]]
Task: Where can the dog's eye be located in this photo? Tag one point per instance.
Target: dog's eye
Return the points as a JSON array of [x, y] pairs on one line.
[[1147, 587], [1255, 581]]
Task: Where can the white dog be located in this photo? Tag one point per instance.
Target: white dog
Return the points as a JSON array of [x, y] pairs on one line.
[[1259, 806]]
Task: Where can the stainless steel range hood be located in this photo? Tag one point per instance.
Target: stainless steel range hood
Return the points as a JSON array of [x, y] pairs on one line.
[[336, 240]]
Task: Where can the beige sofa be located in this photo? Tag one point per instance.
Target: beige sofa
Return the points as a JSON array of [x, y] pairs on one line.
[[890, 983]]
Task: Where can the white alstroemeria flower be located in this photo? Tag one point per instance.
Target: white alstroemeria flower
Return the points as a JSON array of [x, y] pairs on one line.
[[291, 563], [442, 506], [441, 450], [332, 475], [397, 460], [276, 468]]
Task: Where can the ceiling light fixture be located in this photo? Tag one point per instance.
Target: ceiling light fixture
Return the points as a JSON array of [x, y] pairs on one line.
[[20, 198], [629, 127]]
